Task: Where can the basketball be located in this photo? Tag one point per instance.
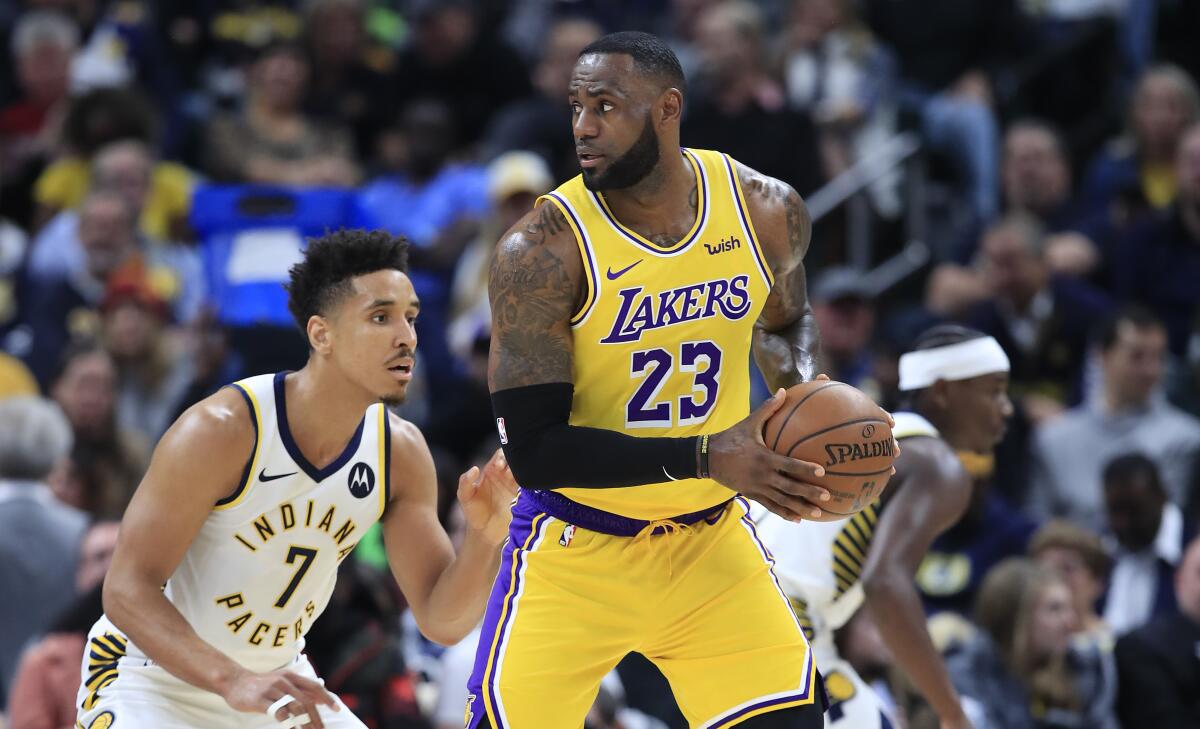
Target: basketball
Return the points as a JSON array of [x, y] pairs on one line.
[[837, 426]]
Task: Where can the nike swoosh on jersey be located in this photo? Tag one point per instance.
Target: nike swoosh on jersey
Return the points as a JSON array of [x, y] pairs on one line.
[[262, 475], [614, 276]]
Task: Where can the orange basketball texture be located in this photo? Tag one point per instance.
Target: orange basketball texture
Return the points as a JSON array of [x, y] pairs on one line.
[[838, 427]]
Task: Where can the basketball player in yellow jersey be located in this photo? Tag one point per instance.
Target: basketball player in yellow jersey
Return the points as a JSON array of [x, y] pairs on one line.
[[624, 307], [254, 497]]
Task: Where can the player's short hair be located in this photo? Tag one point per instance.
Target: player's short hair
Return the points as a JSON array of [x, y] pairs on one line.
[[322, 279], [943, 335], [940, 335], [651, 56]]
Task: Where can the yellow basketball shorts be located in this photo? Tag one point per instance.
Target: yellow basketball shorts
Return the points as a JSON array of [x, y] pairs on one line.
[[699, 600]]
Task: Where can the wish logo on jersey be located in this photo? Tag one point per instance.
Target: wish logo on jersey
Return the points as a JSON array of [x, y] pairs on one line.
[[361, 480], [642, 312]]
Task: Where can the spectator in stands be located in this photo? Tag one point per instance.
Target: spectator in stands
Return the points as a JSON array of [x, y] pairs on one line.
[[437, 204], [63, 306], [159, 196], [450, 57], [1037, 180], [14, 247], [15, 378], [1036, 174], [39, 537], [1023, 671], [47, 681], [1127, 413], [954, 66], [77, 480], [1157, 663], [1136, 172], [835, 71], [734, 94], [43, 42], [1150, 535], [536, 124], [95, 120], [112, 460], [154, 370], [350, 84], [1040, 319], [1158, 264], [843, 303], [272, 140], [1079, 558]]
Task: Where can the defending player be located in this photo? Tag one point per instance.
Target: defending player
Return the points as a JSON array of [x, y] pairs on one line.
[[956, 380], [624, 307], [254, 497]]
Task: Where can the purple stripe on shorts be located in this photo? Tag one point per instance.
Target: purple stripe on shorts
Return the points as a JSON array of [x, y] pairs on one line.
[[787, 699], [500, 604]]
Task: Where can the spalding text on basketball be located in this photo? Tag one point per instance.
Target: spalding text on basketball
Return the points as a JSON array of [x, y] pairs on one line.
[[843, 452]]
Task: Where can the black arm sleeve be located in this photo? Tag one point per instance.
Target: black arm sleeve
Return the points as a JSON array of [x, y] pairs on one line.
[[545, 452]]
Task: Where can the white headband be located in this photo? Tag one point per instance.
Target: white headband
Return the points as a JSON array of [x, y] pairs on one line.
[[962, 361]]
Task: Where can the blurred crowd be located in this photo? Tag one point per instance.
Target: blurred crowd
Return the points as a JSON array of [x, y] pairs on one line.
[[161, 163]]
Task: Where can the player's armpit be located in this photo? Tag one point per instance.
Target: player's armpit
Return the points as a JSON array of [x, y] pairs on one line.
[[199, 460], [534, 285], [786, 338], [933, 494]]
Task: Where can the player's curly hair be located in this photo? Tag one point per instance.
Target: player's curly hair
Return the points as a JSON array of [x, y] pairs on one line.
[[322, 279]]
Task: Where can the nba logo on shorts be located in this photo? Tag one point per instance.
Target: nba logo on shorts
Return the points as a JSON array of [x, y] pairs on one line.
[[361, 480], [503, 432], [567, 535]]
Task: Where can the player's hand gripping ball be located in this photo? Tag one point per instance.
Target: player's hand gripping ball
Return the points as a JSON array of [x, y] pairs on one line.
[[838, 427]]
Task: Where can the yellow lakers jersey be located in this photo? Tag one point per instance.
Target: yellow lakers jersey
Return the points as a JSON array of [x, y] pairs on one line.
[[662, 340]]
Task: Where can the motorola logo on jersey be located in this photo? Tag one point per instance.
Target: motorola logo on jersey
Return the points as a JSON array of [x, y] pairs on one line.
[[361, 480]]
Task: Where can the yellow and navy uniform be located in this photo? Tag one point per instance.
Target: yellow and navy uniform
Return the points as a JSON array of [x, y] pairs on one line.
[[819, 565], [262, 567], [661, 348]]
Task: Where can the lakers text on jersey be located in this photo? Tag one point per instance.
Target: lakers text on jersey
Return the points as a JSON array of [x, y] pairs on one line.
[[662, 341]]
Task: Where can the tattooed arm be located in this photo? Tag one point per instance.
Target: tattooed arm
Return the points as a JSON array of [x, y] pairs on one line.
[[535, 285], [786, 339]]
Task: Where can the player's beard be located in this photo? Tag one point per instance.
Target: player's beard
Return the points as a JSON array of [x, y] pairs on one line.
[[631, 167]]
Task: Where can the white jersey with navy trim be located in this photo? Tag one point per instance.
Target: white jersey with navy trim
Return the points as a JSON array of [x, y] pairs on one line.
[[263, 566], [819, 563]]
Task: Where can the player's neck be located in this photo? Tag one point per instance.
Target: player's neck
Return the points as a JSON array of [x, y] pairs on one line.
[[945, 429], [323, 411], [659, 198]]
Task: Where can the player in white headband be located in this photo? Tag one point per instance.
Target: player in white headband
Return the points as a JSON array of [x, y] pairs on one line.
[[955, 381]]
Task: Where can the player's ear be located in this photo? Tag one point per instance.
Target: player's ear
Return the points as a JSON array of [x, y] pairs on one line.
[[319, 334], [939, 393], [670, 104]]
